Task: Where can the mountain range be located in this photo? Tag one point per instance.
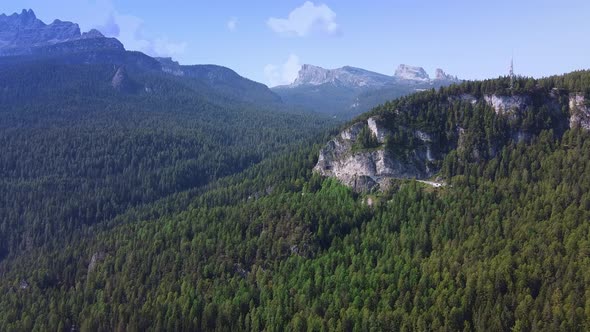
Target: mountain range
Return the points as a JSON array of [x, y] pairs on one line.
[[343, 92], [348, 91], [25, 38], [24, 34]]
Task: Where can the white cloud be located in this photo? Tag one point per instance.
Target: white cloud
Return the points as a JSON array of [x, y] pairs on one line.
[[110, 28], [166, 47], [283, 74], [132, 34], [305, 19], [232, 24]]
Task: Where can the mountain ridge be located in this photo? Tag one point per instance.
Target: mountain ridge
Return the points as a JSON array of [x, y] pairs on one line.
[[22, 34], [400, 140], [349, 91], [25, 38], [355, 77]]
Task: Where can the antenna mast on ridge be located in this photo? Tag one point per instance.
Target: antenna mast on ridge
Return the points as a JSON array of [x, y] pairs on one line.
[[512, 72]]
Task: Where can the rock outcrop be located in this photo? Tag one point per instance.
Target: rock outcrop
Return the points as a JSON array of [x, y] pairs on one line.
[[366, 163], [510, 105], [120, 80], [96, 258], [579, 111], [365, 170], [377, 129]]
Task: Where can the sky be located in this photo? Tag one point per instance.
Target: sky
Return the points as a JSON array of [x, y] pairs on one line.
[[269, 40]]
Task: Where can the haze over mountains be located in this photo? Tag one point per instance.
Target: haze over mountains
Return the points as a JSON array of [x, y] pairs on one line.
[[343, 92], [348, 91], [23, 37]]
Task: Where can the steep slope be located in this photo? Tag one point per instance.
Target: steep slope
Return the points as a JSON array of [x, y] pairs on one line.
[[410, 137], [348, 91]]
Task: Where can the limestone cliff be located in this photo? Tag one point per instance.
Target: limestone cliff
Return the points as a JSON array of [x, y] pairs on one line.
[[366, 169], [579, 111], [418, 154]]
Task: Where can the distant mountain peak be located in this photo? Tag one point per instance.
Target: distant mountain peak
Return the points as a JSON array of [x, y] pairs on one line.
[[22, 34], [345, 76], [27, 13], [440, 75], [312, 75], [92, 34], [406, 72]]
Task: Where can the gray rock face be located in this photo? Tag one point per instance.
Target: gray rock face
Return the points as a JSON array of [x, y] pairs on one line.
[[510, 105], [365, 170], [440, 75], [378, 130], [21, 34], [345, 76], [411, 73], [97, 258], [120, 81], [579, 111]]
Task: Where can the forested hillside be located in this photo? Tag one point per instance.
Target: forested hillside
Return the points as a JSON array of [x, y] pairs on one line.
[[77, 149], [504, 246]]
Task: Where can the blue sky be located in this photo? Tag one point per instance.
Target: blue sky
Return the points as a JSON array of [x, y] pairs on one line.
[[268, 40]]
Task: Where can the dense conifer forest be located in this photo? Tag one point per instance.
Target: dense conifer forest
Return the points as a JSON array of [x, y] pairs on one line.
[[121, 213]]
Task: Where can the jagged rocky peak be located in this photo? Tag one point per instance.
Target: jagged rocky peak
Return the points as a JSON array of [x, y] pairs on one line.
[[26, 17], [21, 34], [412, 73], [440, 75], [353, 77], [92, 34]]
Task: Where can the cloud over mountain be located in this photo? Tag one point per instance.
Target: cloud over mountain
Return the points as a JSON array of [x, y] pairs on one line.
[[284, 73]]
